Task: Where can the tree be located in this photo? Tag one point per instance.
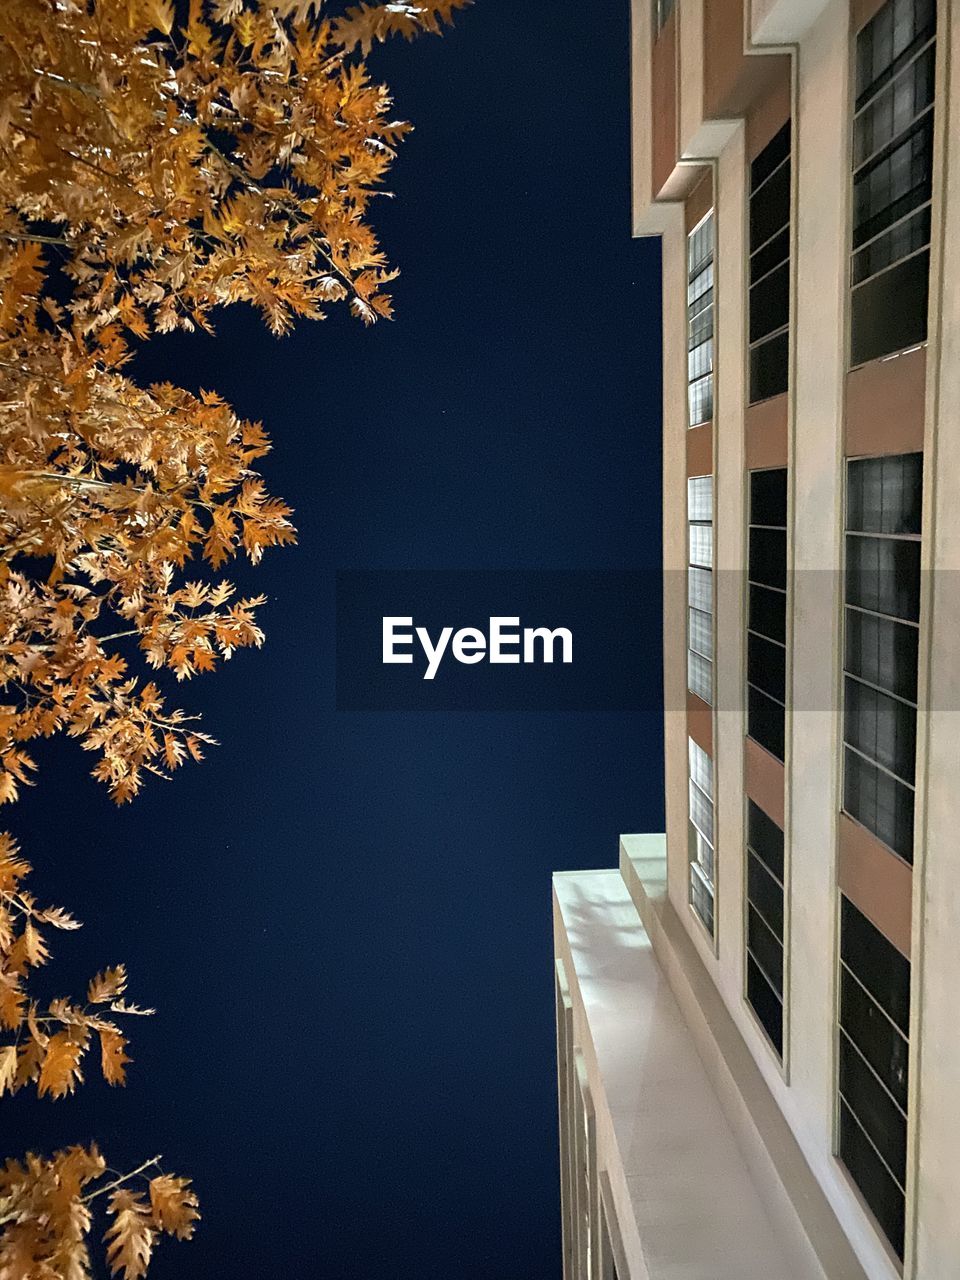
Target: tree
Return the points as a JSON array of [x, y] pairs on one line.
[[152, 170]]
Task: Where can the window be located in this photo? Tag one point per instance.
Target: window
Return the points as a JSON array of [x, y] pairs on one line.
[[764, 923], [700, 322], [770, 268], [873, 1051], [882, 593], [701, 833], [700, 587], [767, 610], [892, 179], [662, 10]]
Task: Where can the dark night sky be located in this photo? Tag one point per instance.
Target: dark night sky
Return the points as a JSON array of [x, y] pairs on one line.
[[344, 919]]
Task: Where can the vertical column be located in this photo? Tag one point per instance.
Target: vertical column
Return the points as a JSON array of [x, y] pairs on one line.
[[937, 900], [729, 555], [822, 165]]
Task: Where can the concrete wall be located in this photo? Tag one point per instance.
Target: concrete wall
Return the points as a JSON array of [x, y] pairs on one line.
[[936, 924]]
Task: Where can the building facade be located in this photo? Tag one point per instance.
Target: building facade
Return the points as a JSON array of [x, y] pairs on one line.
[[759, 1055]]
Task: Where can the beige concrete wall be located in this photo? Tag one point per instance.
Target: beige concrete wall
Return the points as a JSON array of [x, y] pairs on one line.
[[935, 1031], [641, 130], [729, 559], [690, 114], [784, 21]]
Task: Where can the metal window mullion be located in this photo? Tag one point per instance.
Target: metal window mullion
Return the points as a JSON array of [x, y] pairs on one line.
[[893, 143], [914, 253], [766, 866], [913, 213], [763, 974], [778, 266], [878, 688], [768, 337], [859, 1052], [876, 1150], [873, 1000], [858, 111], [911, 786]]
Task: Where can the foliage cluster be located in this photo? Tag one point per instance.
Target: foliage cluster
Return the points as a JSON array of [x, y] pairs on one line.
[[157, 162]]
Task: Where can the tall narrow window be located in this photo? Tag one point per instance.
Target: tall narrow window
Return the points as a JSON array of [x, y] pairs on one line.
[[767, 610], [700, 321], [701, 833], [873, 1049], [700, 587], [770, 268], [662, 10], [880, 645], [764, 923], [892, 179]]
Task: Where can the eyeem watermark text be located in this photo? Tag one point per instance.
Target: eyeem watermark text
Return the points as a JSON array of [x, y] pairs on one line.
[[504, 642]]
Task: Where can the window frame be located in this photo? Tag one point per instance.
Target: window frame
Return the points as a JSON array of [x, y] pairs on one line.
[[697, 270], [872, 765], [695, 834], [876, 328], [755, 391]]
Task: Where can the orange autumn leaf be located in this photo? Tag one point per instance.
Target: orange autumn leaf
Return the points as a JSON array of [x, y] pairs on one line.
[[60, 1070], [113, 1055], [174, 1205]]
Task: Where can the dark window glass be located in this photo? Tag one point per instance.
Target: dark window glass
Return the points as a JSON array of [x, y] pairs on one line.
[[766, 620], [770, 207], [889, 311], [769, 309], [895, 108], [881, 727], [888, 42], [883, 1121], [766, 666], [765, 1004], [765, 839], [881, 1193], [764, 926], [771, 157], [769, 364], [770, 255], [876, 963], [875, 1036], [768, 557], [765, 948], [883, 575], [768, 612], [882, 652], [765, 894], [894, 183], [892, 179], [879, 802], [885, 495], [901, 241], [765, 721], [884, 501], [770, 303], [768, 497]]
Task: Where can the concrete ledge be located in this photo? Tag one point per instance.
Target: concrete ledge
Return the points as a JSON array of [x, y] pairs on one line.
[[792, 1196], [674, 1180]]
